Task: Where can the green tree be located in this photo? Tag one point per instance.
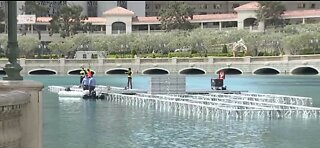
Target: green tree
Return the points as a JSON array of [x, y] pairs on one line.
[[68, 20], [62, 48], [32, 7], [27, 45], [270, 13], [175, 16]]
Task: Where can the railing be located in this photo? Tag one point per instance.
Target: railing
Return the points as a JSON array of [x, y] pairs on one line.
[[304, 57], [228, 59], [263, 59], [210, 60], [155, 60], [11, 104], [180, 60], [41, 61], [128, 60], [79, 61]]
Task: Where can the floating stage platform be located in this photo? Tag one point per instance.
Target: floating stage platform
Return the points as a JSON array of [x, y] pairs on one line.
[[168, 94]]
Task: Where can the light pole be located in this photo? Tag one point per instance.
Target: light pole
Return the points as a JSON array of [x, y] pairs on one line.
[[121, 50], [41, 48], [12, 69], [276, 47], [2, 53]]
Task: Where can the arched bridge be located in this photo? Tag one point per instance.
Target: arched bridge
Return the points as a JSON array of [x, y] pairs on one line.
[[277, 65]]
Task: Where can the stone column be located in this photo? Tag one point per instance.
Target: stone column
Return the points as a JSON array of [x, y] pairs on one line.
[[285, 58], [137, 60], [261, 26], [31, 28], [31, 113], [303, 21], [22, 62], [220, 26], [108, 29], [148, 28], [128, 28], [240, 24], [10, 115], [247, 59], [201, 25], [174, 60], [62, 65]]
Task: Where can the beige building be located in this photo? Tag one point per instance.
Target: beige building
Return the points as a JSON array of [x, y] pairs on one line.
[[218, 7], [152, 8], [123, 21]]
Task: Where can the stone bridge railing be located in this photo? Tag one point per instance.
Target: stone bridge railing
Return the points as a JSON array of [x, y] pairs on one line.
[[62, 66], [11, 105], [174, 60], [20, 114]]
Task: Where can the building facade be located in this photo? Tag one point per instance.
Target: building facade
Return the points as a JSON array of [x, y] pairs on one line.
[[219, 7], [152, 8], [118, 20]]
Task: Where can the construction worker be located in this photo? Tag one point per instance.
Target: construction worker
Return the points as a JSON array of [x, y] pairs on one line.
[[82, 75], [129, 84], [92, 84], [89, 72], [85, 83]]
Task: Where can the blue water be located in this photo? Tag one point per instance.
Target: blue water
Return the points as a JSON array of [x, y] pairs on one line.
[[102, 124]]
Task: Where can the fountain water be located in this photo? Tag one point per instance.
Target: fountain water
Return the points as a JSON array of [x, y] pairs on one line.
[[224, 106]]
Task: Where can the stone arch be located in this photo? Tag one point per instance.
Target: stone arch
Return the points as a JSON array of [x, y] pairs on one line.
[[266, 71], [192, 70], [2, 72], [230, 70], [116, 71], [304, 70], [118, 27], [250, 22], [42, 71], [155, 71]]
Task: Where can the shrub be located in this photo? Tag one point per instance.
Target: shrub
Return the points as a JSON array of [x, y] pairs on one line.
[[224, 49]]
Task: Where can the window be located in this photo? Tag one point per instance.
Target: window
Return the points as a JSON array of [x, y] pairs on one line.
[[301, 5], [94, 56], [313, 5], [235, 5], [92, 3], [147, 6], [216, 6], [122, 4], [84, 56], [158, 6], [204, 6]]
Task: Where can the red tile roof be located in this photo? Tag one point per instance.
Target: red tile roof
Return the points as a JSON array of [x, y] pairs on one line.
[[143, 19], [249, 6], [118, 11], [96, 20], [301, 13], [295, 13], [154, 19], [215, 16], [90, 19], [43, 19]]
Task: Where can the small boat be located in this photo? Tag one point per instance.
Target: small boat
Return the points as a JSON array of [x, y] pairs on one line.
[[76, 91]]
